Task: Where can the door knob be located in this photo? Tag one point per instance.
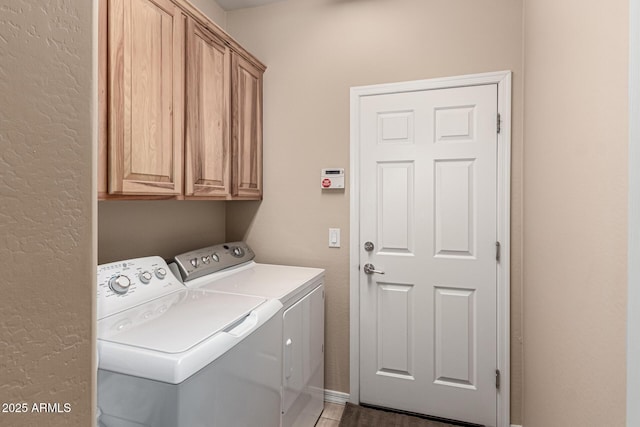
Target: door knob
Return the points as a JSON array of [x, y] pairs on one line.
[[368, 246], [370, 269]]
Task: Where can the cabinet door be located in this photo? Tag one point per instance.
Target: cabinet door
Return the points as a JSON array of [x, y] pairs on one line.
[[207, 155], [146, 90], [246, 129]]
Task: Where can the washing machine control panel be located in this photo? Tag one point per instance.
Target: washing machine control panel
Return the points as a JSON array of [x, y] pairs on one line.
[[125, 284], [212, 259]]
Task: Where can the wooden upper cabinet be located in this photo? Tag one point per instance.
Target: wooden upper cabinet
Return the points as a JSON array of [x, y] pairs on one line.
[[207, 142], [180, 105], [246, 108], [146, 97]]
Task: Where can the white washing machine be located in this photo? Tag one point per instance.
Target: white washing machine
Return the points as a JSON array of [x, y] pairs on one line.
[[230, 269], [176, 357]]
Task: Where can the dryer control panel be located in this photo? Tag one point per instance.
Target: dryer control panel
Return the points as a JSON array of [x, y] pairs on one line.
[[212, 259], [125, 284]]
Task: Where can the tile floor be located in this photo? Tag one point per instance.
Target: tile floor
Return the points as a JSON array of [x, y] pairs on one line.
[[330, 417]]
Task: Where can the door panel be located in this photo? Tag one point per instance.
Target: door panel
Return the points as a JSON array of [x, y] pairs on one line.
[[455, 344], [454, 208], [146, 40], [454, 124], [208, 154], [428, 203], [247, 128], [394, 335], [395, 212]]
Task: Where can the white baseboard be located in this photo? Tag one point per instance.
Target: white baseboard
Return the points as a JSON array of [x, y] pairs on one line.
[[515, 425], [336, 397]]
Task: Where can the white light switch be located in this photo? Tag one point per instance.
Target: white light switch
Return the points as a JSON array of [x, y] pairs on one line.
[[334, 237]]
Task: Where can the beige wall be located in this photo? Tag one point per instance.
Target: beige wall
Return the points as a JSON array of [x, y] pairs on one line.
[[47, 253], [574, 182], [131, 229], [213, 10], [575, 236], [315, 51]]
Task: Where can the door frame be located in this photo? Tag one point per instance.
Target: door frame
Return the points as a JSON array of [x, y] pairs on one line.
[[503, 80]]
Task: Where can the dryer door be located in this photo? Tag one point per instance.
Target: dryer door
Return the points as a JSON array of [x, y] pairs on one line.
[[303, 361]]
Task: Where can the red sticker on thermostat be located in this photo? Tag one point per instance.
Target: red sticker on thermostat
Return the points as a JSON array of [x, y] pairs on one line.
[[326, 183]]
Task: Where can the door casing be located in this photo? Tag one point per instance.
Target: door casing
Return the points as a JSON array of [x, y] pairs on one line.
[[503, 80]]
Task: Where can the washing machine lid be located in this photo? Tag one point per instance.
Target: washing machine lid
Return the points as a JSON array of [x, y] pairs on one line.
[[282, 282], [177, 322]]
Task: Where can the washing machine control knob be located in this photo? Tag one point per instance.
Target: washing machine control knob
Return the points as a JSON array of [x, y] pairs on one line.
[[145, 277], [195, 262], [161, 273], [215, 257], [119, 284], [237, 251]]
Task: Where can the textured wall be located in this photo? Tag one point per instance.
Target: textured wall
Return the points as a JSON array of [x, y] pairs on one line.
[[47, 255], [575, 212], [315, 50]]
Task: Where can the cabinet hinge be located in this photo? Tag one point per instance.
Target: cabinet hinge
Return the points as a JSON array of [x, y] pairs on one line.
[[498, 379], [498, 123], [498, 251]]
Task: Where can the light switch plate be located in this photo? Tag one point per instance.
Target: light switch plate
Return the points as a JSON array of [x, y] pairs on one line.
[[334, 237]]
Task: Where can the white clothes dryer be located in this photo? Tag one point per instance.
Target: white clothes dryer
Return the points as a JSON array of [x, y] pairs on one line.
[[176, 357], [229, 268]]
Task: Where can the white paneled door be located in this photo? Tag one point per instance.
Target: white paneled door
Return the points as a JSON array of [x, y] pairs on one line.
[[428, 229]]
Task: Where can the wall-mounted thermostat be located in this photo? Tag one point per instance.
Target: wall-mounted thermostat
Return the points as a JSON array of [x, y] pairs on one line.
[[331, 178]]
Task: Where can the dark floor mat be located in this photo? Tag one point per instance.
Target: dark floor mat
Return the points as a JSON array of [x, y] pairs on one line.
[[358, 416]]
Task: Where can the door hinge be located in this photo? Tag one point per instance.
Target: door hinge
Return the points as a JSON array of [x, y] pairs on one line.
[[498, 251], [498, 379], [498, 124]]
